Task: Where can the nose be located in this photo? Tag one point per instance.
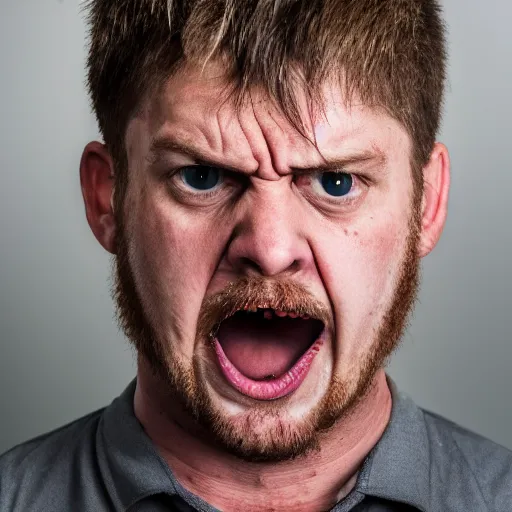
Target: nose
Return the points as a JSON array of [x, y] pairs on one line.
[[269, 239]]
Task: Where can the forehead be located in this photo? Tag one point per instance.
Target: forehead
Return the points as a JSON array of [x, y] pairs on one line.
[[194, 107]]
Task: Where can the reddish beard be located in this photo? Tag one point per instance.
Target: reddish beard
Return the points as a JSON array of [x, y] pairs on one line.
[[237, 435]]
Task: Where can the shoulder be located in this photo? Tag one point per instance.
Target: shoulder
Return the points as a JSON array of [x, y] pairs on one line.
[[469, 463], [46, 469]]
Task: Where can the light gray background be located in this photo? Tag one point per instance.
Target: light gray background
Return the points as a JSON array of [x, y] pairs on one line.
[[61, 353]]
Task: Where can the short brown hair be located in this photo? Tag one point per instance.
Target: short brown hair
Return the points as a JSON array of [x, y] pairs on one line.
[[391, 53]]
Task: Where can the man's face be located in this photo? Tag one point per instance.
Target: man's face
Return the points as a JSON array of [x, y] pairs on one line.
[[235, 229]]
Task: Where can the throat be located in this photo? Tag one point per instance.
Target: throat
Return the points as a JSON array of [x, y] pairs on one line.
[[263, 348]]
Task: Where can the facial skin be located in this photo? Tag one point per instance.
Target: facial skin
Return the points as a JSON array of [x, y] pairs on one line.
[[269, 224]]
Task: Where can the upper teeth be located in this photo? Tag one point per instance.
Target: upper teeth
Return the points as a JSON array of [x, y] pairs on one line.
[[268, 314]]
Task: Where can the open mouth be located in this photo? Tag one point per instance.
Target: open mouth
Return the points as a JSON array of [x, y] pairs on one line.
[[266, 353]]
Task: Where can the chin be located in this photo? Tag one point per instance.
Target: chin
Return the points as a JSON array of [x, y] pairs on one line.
[[267, 430], [265, 435]]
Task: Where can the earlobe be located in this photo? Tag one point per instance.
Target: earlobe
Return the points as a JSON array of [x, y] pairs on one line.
[[97, 182], [436, 175]]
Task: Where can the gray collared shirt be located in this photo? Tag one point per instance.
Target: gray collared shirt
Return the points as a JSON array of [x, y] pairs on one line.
[[105, 461]]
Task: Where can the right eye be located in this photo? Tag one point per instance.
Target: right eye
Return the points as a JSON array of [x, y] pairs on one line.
[[201, 178]]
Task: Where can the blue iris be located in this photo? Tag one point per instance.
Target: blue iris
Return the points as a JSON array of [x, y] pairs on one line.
[[337, 183], [201, 177]]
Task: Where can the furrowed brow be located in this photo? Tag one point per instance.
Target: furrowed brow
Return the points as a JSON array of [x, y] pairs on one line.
[[165, 144], [161, 145]]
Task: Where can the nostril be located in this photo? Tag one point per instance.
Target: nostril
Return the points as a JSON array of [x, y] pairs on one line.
[[295, 265], [249, 264]]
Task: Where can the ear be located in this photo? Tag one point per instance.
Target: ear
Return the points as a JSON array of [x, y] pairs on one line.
[[97, 181], [436, 176]]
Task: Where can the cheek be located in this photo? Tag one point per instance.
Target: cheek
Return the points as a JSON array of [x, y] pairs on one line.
[[359, 268], [173, 255]]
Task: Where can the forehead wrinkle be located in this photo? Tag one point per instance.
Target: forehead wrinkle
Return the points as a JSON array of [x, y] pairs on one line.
[[232, 137], [280, 153], [221, 132], [207, 134], [227, 130], [171, 142], [282, 141], [255, 138]]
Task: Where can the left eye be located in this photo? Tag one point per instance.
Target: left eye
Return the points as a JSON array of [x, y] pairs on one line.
[[201, 177], [336, 184]]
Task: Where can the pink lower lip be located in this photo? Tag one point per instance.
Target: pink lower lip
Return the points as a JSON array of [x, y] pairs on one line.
[[272, 389]]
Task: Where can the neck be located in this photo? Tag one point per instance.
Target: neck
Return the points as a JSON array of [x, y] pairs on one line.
[[314, 482]]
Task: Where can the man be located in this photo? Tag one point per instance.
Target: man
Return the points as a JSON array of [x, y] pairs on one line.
[[268, 183]]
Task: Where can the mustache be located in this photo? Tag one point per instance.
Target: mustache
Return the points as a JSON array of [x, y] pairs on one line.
[[249, 293]]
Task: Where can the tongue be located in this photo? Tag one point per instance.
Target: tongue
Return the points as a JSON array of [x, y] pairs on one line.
[[261, 348]]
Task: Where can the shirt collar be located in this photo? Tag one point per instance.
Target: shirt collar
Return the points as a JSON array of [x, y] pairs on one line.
[[131, 467], [397, 469]]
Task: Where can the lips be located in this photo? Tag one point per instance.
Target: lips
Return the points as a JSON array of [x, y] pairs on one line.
[[265, 353]]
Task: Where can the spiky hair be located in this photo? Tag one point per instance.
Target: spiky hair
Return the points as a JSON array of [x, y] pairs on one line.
[[391, 53]]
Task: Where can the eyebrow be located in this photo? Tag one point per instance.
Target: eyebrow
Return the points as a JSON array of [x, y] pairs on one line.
[[167, 144], [374, 156]]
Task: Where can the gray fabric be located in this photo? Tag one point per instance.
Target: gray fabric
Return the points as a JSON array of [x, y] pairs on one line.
[[105, 462]]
